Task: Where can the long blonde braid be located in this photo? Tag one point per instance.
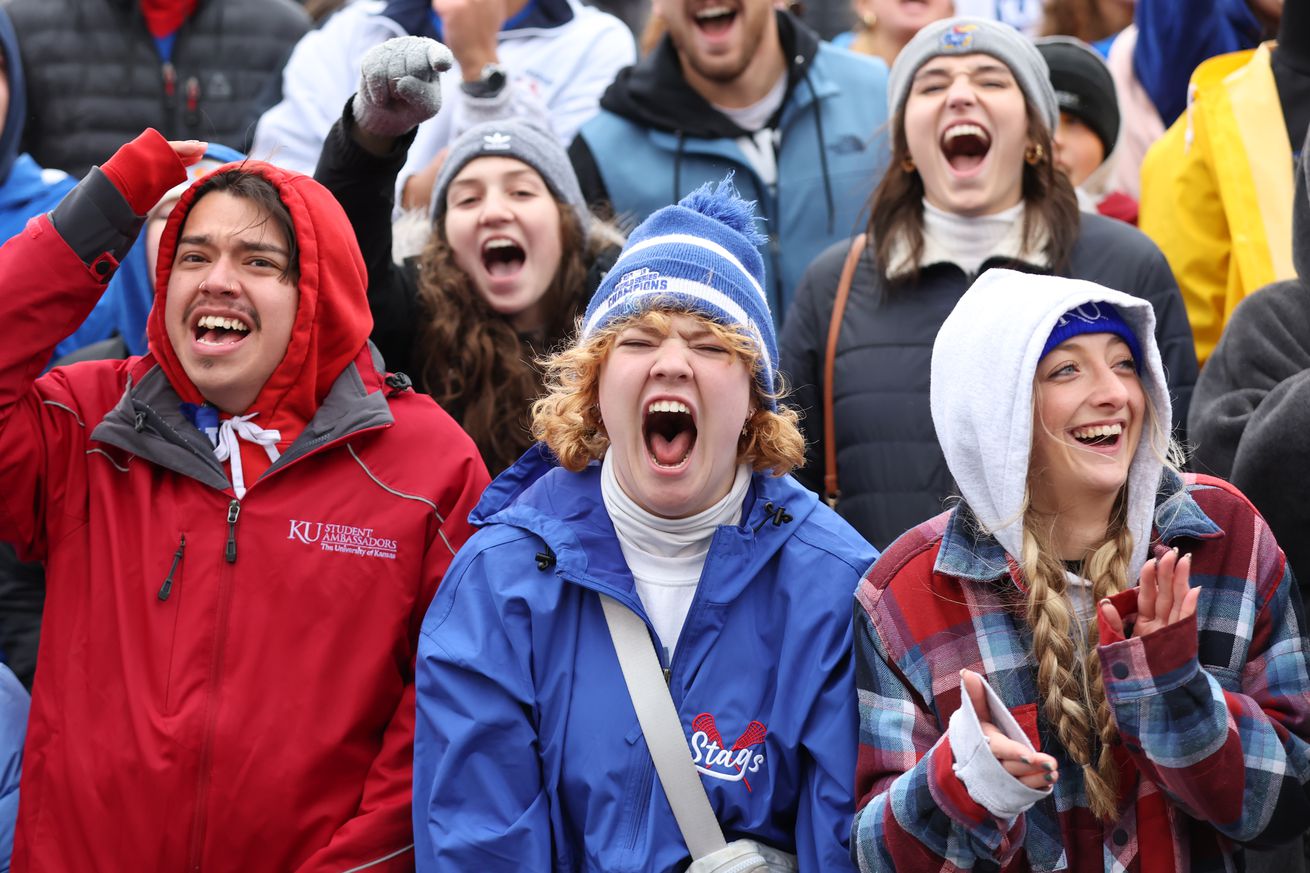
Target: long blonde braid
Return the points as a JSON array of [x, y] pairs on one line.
[[1069, 682], [1107, 568]]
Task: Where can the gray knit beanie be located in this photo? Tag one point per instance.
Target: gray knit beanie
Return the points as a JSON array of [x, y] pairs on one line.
[[522, 141], [968, 36]]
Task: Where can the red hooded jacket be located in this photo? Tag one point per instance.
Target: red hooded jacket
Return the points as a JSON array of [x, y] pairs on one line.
[[222, 685]]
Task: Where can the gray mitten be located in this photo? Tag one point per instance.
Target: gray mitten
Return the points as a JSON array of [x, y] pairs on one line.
[[400, 85]]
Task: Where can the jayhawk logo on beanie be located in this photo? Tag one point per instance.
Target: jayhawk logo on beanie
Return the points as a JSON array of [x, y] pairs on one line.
[[959, 38]]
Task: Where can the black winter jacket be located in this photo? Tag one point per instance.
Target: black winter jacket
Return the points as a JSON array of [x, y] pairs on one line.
[[95, 78], [890, 468]]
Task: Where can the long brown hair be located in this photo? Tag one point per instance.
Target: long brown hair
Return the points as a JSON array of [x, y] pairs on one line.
[[470, 358], [896, 209]]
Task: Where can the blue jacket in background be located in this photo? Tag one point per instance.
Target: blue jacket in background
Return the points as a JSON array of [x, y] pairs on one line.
[[26, 189], [13, 728], [655, 140], [528, 754], [1175, 36]]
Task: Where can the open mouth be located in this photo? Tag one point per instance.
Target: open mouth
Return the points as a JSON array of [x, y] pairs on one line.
[[965, 146], [715, 20], [217, 330], [503, 257], [1103, 436], [670, 432]]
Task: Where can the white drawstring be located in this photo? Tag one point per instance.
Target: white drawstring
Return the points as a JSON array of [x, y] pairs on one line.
[[227, 447]]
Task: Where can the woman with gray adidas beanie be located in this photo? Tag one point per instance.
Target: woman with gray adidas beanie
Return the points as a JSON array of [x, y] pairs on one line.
[[971, 185], [644, 656], [1091, 663], [512, 255]]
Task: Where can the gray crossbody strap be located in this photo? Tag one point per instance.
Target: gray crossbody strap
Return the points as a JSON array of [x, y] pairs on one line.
[[663, 730]]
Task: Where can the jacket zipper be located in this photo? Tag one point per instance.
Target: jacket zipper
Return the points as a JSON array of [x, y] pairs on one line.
[[167, 587], [233, 510], [192, 117], [169, 74], [198, 821]]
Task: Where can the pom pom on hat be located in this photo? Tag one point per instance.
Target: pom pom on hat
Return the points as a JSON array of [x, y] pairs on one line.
[[699, 255]]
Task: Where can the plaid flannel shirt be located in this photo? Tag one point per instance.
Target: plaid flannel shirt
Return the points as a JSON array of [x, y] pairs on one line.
[[1213, 712]]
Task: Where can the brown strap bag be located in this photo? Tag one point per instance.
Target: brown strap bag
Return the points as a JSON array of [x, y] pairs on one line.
[[831, 493]]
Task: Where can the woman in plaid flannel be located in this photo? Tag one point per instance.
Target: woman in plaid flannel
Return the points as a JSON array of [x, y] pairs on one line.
[[1092, 662]]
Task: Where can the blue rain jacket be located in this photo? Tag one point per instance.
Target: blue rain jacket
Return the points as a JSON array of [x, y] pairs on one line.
[[14, 704], [528, 754]]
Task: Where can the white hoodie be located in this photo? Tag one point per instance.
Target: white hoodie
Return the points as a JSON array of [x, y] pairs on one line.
[[981, 395]]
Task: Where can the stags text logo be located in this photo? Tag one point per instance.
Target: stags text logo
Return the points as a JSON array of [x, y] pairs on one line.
[[713, 757], [344, 538]]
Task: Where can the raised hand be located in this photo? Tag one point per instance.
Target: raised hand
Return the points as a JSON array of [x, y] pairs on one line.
[[1036, 770], [471, 28], [1163, 596], [400, 85], [144, 169], [188, 151]]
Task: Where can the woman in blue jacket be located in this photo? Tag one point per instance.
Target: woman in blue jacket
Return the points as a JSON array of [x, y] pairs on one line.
[[659, 481]]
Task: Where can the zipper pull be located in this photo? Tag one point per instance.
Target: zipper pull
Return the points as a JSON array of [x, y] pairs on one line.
[[167, 587], [668, 677], [170, 78], [192, 101], [233, 510]]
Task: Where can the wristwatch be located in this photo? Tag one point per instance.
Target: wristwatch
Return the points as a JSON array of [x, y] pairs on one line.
[[489, 84]]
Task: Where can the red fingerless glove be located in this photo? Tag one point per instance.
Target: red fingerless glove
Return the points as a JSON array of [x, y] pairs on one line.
[[145, 170]]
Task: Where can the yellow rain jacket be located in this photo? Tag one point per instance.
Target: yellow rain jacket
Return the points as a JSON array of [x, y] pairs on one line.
[[1217, 191]]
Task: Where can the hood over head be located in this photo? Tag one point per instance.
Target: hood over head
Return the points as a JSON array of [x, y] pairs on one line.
[[12, 135], [981, 396], [332, 323]]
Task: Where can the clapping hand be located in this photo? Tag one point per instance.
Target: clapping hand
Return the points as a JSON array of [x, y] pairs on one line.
[[1163, 596]]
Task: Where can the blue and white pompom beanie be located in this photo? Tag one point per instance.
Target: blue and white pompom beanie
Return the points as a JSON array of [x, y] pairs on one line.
[[699, 255]]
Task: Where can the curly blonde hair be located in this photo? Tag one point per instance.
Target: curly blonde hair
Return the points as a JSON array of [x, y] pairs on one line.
[[567, 417]]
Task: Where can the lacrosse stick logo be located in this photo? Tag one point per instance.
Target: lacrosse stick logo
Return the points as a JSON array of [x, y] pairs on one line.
[[713, 756]]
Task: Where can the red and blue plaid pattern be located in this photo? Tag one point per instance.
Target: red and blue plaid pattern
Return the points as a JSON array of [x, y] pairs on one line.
[[1213, 713]]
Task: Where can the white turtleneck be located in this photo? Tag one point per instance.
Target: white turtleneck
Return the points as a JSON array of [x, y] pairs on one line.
[[967, 241], [666, 555]]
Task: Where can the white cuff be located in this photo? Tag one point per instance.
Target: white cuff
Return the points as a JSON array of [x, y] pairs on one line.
[[983, 776]]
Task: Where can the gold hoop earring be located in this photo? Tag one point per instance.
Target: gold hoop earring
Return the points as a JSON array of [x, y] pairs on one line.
[[1034, 154], [907, 166]]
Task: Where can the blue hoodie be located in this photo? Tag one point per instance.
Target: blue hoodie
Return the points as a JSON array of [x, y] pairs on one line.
[[528, 754], [13, 728], [26, 189]]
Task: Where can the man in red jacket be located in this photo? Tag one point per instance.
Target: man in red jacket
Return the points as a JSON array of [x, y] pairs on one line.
[[242, 531]]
